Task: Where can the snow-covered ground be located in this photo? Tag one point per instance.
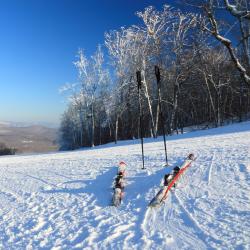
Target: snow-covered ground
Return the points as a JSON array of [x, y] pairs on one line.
[[62, 201]]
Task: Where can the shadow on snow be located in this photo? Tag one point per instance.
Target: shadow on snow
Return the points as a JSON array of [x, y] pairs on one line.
[[100, 187]]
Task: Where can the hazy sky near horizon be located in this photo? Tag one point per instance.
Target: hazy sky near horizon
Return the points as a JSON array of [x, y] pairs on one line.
[[39, 41]]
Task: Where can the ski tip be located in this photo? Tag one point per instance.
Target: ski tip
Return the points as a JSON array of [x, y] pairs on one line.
[[122, 163]]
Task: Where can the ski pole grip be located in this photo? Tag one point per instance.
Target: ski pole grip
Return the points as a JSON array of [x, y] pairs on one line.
[[157, 74], [138, 76]]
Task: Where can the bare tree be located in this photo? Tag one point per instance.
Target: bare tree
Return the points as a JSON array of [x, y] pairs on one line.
[[241, 12]]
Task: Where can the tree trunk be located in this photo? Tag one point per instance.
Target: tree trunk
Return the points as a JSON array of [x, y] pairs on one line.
[[175, 106], [116, 129], [110, 130], [92, 125], [148, 98], [241, 102], [82, 126], [211, 98], [219, 114], [245, 37], [100, 133]]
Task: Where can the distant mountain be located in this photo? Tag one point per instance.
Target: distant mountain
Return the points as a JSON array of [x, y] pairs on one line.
[[27, 124], [27, 138]]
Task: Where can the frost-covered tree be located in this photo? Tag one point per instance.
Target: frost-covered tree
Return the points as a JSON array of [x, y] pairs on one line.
[[120, 48], [84, 99], [93, 78], [200, 83]]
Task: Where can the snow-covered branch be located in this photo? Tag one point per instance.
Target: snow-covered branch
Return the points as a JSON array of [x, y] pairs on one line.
[[235, 11], [228, 44]]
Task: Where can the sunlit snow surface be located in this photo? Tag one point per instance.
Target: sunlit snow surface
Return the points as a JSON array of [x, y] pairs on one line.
[[62, 201]]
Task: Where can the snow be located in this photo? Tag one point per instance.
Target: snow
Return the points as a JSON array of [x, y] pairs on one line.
[[62, 200], [27, 141]]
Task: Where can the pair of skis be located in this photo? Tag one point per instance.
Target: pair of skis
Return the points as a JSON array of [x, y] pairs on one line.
[[119, 185], [161, 196]]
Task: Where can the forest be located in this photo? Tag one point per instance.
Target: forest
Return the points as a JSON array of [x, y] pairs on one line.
[[171, 70]]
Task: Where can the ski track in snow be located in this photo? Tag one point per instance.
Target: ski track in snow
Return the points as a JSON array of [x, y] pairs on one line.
[[210, 169], [62, 201]]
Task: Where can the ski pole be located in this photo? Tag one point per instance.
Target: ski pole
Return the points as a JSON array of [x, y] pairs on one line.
[[139, 83], [158, 78]]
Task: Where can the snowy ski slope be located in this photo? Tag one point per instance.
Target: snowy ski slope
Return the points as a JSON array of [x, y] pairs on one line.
[[61, 200]]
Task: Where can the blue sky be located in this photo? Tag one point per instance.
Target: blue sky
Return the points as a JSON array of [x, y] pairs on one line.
[[38, 43]]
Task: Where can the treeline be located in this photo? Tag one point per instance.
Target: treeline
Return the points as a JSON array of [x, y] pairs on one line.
[[204, 77], [4, 150]]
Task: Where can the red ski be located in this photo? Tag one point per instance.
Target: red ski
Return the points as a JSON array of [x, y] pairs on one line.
[[162, 194]]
